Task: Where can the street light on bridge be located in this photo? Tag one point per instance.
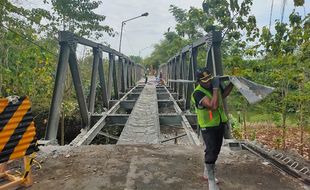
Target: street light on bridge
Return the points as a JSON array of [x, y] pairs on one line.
[[123, 23]]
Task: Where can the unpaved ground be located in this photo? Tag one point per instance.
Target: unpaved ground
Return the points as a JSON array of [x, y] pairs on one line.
[[148, 167]]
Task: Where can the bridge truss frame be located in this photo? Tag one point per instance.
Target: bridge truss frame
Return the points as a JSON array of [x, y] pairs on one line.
[[118, 81], [176, 68]]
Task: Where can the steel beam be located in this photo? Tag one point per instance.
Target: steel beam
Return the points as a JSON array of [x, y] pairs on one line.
[[103, 85], [78, 88], [192, 137], [115, 83], [110, 76], [117, 119], [86, 137], [170, 119], [54, 114], [127, 104], [93, 84]]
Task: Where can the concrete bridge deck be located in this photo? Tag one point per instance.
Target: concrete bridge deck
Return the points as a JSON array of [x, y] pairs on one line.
[[142, 126]]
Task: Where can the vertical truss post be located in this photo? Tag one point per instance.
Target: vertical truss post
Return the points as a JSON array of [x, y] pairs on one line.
[[78, 86], [191, 74], [217, 57], [115, 81], [182, 74], [168, 73], [125, 74], [131, 74], [175, 74], [122, 74], [185, 75], [54, 114], [189, 77], [110, 76], [134, 73], [179, 75], [93, 84], [102, 83]]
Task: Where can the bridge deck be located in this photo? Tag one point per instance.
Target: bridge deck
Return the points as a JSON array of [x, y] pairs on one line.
[[142, 126]]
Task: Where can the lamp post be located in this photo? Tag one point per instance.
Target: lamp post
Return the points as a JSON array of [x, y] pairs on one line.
[[123, 23]]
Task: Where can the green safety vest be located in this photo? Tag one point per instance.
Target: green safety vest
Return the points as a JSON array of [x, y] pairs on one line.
[[207, 117]]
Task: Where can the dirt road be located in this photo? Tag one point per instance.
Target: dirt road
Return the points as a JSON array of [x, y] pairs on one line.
[[150, 167]]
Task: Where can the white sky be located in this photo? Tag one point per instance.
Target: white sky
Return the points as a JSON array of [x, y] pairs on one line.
[[139, 35]]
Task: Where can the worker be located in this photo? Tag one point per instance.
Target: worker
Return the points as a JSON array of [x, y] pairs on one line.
[[145, 76], [208, 99]]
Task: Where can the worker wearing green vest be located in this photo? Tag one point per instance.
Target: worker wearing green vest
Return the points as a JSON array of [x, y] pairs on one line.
[[208, 99]]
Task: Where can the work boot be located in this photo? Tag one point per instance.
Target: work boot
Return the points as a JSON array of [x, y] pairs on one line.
[[211, 177], [205, 174]]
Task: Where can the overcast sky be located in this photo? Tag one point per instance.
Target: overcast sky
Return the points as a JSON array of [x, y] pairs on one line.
[[141, 34]]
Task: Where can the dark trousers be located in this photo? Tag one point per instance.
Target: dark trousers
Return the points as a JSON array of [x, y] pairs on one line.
[[213, 138]]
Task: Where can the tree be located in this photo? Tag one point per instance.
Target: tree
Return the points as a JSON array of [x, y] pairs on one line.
[[168, 47], [136, 59], [289, 72], [78, 16]]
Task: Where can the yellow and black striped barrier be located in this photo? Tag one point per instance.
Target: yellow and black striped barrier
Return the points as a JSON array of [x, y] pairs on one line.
[[17, 138]]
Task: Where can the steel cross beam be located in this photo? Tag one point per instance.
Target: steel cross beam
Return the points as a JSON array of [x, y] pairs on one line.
[[130, 74]]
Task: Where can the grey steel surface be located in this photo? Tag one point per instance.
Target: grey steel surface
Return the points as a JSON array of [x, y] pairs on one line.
[[79, 88], [252, 91], [93, 84], [54, 114], [86, 137], [103, 85], [142, 126]]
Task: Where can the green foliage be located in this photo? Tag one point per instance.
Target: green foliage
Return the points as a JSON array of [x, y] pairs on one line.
[[78, 16], [236, 127], [28, 49], [230, 17], [299, 3], [136, 59], [165, 49], [277, 119]]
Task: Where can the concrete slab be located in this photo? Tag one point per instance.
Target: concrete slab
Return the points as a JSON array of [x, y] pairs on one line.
[[153, 167], [142, 126]]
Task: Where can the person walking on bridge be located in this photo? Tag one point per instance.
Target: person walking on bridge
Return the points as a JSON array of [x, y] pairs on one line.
[[208, 99]]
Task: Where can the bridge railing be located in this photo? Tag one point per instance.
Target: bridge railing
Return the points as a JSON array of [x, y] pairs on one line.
[[178, 68], [119, 78]]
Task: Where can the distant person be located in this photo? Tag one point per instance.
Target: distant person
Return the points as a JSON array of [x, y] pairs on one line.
[[145, 76], [161, 80], [208, 100]]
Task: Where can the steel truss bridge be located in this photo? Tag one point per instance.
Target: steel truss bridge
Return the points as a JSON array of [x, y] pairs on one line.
[[147, 113]]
